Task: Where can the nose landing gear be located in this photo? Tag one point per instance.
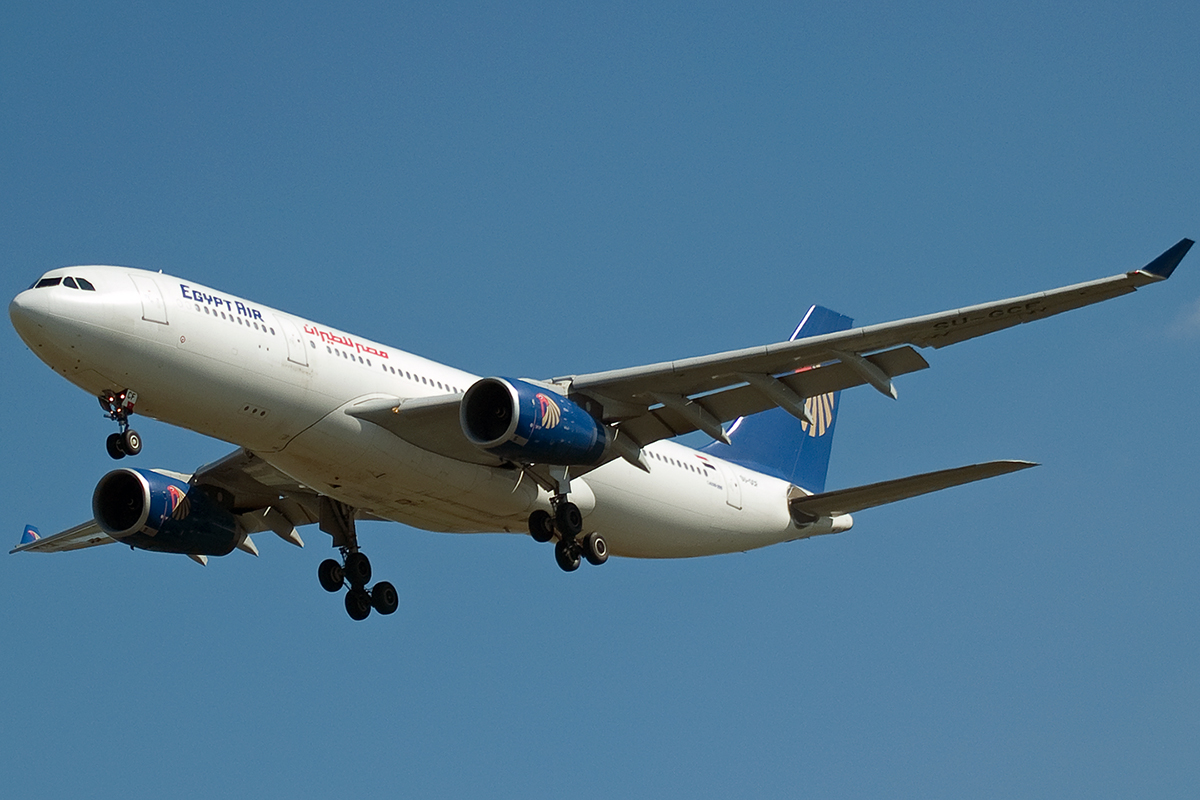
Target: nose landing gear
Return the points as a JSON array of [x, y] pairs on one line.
[[118, 406]]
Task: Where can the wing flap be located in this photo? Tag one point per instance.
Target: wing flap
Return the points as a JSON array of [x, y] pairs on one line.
[[729, 404], [808, 508]]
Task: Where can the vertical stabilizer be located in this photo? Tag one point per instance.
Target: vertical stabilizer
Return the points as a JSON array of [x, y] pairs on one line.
[[777, 443]]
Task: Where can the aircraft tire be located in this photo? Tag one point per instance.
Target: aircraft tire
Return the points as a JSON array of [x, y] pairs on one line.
[[541, 526], [131, 442], [568, 520], [567, 556], [595, 549], [330, 575], [358, 570], [358, 603], [384, 598], [114, 446]]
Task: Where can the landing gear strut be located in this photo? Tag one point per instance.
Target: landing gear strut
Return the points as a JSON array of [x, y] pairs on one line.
[[353, 572], [567, 524], [118, 406]]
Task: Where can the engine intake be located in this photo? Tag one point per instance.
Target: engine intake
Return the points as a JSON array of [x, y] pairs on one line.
[[518, 420], [150, 511]]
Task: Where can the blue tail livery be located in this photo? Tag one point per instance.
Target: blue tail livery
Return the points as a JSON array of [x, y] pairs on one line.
[[777, 443], [30, 535]]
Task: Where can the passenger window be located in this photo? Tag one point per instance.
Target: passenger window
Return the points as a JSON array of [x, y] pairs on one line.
[[44, 282], [69, 281], [85, 284]]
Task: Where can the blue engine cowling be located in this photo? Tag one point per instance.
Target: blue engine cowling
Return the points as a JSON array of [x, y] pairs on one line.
[[515, 419], [150, 511]]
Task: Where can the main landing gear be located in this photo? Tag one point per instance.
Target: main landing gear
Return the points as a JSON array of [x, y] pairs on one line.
[[567, 524], [118, 406], [353, 572]]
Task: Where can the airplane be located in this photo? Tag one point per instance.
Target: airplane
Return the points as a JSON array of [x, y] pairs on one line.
[[331, 428]]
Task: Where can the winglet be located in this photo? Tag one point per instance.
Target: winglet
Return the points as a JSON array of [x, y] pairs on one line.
[[1164, 265], [30, 535]]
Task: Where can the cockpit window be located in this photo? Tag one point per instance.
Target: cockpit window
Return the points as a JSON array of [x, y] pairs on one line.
[[85, 284], [44, 282], [70, 282]]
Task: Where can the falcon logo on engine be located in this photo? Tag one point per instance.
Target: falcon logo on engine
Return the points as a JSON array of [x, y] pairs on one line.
[[180, 505], [550, 411]]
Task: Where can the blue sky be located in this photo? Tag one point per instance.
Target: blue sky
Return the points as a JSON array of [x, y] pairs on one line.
[[541, 190]]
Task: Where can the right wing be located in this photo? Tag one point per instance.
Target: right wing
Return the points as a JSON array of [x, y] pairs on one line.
[[676, 397], [644, 404]]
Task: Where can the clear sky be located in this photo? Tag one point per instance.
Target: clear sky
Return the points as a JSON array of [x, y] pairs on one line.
[[547, 189]]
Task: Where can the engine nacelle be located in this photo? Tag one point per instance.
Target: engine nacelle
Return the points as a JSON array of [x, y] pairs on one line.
[[150, 511], [515, 419]]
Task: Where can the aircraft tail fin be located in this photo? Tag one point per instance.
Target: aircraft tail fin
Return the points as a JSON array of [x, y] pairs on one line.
[[777, 443]]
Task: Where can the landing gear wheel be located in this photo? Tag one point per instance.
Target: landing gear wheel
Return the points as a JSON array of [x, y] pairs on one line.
[[358, 604], [114, 445], [358, 570], [384, 598], [131, 442], [595, 549], [567, 555], [541, 526], [568, 520], [330, 575]]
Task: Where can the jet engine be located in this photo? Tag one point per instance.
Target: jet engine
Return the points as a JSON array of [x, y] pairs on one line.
[[150, 511], [516, 419]]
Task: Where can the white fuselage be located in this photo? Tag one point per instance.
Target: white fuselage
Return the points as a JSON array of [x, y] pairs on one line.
[[278, 385]]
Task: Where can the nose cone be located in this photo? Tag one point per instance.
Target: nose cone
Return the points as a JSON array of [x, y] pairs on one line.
[[28, 312]]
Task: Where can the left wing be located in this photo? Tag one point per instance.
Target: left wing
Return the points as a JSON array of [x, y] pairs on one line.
[[261, 498], [86, 535]]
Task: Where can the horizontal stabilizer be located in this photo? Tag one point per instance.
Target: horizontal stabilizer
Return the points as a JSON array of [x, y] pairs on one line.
[[807, 508]]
